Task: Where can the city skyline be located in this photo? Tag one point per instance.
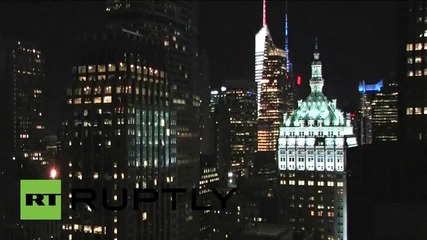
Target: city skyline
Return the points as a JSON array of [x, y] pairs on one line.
[[312, 115], [348, 61]]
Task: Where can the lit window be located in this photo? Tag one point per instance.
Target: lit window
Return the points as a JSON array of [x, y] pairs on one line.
[[108, 89], [122, 67], [101, 68], [409, 111], [91, 69], [418, 60], [418, 111], [425, 110], [418, 73], [410, 73], [418, 46], [425, 71], [97, 100], [409, 47], [107, 99], [111, 67]]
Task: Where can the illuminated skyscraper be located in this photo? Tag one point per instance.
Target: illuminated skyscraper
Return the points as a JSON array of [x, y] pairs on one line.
[[385, 114], [121, 135], [174, 25], [377, 120], [365, 116], [293, 81], [312, 163], [412, 71], [270, 76]]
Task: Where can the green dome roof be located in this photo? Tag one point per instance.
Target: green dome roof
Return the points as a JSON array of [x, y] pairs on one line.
[[316, 107]]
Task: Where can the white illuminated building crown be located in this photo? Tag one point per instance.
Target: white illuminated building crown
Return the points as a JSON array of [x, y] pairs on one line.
[[315, 136]]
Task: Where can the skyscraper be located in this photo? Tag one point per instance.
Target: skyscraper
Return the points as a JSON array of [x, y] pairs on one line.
[[412, 71], [241, 105], [22, 135], [233, 110], [385, 114], [121, 136], [23, 127], [293, 81], [270, 76], [174, 25], [312, 163], [366, 112]]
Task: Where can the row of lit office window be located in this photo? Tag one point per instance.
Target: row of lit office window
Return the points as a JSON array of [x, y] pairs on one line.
[[416, 111], [311, 183]]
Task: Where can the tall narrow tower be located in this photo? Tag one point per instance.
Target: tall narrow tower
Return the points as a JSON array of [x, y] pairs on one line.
[[270, 73]]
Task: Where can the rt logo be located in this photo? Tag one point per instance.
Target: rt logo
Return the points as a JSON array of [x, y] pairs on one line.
[[40, 199]]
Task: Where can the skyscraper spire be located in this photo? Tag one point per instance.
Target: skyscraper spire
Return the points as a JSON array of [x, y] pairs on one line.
[[264, 13], [288, 62], [316, 81], [315, 45]]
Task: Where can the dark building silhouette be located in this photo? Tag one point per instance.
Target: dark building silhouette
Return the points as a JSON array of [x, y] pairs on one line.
[[23, 152], [385, 191], [23, 125], [412, 70]]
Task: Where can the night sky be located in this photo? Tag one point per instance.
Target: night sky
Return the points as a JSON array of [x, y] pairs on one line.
[[357, 40]]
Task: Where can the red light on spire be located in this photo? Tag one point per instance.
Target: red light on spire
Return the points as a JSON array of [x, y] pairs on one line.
[[299, 80]]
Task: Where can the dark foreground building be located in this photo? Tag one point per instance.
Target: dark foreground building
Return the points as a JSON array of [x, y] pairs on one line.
[[386, 191]]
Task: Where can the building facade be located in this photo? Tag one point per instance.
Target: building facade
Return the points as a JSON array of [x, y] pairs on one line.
[[270, 76], [174, 25], [312, 163], [120, 135], [378, 115], [385, 114], [23, 127], [412, 70]]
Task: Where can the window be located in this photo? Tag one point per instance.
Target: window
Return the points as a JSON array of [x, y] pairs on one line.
[[410, 60], [409, 111], [410, 73], [409, 47], [418, 46], [91, 69], [418, 60], [107, 99], [111, 67], [425, 110], [101, 68], [122, 67], [107, 89], [418, 73], [418, 111], [82, 69]]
